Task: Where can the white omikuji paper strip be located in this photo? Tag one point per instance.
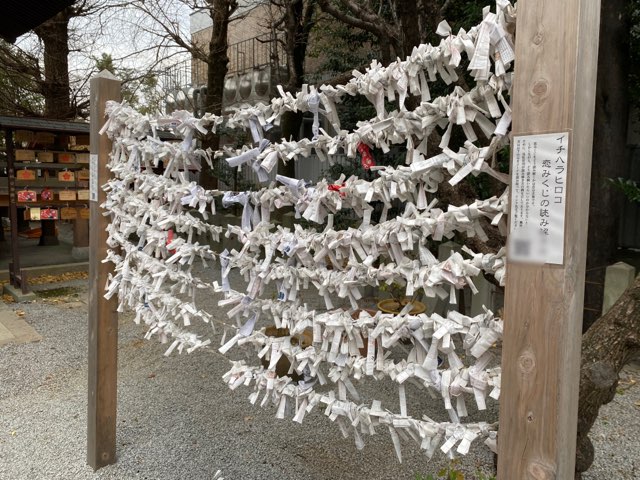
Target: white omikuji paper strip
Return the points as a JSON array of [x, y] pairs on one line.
[[160, 225]]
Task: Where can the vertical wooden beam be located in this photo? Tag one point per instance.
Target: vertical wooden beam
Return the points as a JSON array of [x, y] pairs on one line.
[[554, 90], [103, 317], [14, 269]]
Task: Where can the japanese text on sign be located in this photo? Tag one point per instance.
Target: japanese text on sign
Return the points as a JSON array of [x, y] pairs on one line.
[[93, 178], [538, 193]]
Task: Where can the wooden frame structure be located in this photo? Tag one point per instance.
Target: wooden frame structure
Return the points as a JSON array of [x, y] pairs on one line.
[[9, 125], [556, 48]]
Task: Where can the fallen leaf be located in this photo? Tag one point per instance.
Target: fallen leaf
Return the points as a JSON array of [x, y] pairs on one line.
[[63, 277], [151, 375], [20, 313]]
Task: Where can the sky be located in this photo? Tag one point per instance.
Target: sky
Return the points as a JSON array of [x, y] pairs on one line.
[[123, 32]]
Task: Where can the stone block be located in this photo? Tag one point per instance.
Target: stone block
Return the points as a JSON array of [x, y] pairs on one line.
[[617, 279], [17, 294]]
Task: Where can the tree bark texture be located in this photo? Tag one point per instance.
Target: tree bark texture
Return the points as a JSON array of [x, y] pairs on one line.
[[217, 67], [298, 22], [610, 156], [606, 347], [54, 34]]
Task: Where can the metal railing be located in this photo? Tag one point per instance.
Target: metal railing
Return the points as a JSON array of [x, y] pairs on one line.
[[254, 53]]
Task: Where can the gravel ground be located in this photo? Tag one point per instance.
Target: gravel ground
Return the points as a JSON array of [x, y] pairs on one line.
[[177, 420]]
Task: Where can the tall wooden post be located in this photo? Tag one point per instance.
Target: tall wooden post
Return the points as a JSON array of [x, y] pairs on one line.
[[14, 270], [554, 91], [103, 317]]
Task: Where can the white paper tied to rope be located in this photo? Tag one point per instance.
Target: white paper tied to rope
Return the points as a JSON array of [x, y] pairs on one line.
[[199, 198], [377, 79], [313, 104], [251, 157], [230, 198]]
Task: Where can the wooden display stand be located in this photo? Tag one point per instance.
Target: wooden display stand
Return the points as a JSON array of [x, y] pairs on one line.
[[44, 158]]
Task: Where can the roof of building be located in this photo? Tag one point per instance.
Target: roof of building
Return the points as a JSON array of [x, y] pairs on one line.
[[20, 16], [43, 124], [59, 126]]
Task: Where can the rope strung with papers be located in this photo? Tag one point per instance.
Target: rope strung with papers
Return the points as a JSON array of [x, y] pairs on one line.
[[162, 224]]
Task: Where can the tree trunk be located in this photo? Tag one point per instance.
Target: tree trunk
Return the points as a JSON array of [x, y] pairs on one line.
[[290, 123], [606, 348], [408, 20], [299, 19], [54, 34], [610, 158], [217, 67]]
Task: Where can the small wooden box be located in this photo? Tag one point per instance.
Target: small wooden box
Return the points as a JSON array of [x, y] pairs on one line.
[[26, 174], [25, 156], [66, 176], [45, 157], [83, 194]]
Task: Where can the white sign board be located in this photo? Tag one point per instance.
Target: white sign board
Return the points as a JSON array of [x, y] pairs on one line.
[[538, 197], [93, 177]]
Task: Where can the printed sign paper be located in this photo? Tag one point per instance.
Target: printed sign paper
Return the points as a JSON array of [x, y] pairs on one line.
[[538, 194]]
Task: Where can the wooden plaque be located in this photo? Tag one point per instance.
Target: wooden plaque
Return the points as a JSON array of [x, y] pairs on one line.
[[45, 138], [67, 195], [66, 176], [48, 214], [66, 158], [46, 194], [82, 158], [24, 136], [68, 213], [45, 157], [25, 155], [83, 194], [84, 213], [83, 174], [26, 196], [32, 213], [26, 174]]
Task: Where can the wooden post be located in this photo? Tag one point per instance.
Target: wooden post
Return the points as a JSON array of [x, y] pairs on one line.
[[554, 90], [14, 269], [103, 317]]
